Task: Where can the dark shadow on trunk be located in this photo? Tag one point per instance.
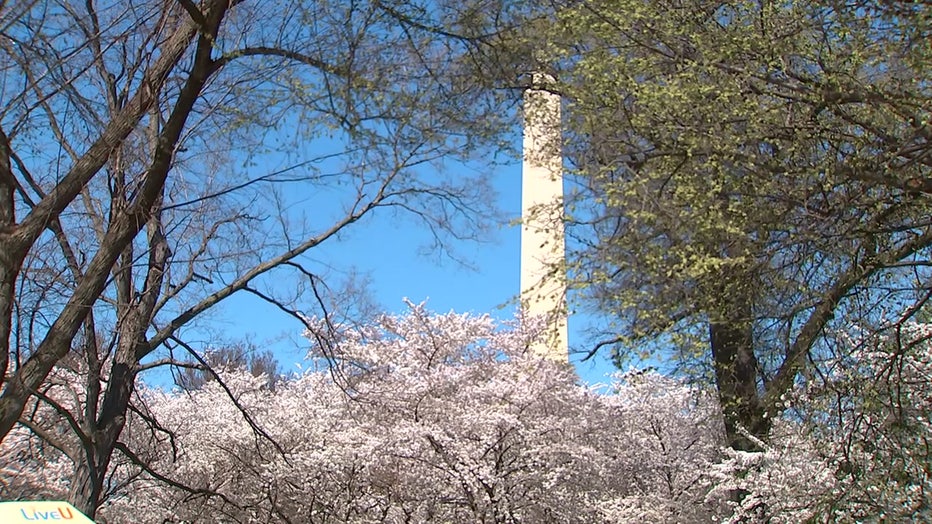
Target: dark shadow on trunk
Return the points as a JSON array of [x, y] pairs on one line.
[[731, 337]]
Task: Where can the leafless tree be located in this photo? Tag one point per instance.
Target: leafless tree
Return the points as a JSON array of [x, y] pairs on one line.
[[158, 157]]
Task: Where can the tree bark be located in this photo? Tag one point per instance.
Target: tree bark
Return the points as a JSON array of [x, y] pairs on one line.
[[9, 265], [731, 337], [736, 381], [90, 476]]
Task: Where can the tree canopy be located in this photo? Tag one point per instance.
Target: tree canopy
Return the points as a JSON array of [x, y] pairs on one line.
[[750, 175]]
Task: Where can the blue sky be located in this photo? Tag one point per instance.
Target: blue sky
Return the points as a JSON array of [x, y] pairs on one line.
[[390, 251]]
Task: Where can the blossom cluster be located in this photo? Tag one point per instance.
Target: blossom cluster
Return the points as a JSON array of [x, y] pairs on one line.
[[427, 417]]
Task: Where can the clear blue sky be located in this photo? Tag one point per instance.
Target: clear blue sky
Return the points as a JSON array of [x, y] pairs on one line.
[[391, 252]]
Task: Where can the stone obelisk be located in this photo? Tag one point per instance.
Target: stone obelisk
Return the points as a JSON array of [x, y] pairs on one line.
[[543, 275]]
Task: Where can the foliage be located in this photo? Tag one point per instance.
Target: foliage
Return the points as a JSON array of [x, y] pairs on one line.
[[752, 175], [670, 437], [435, 424], [853, 446]]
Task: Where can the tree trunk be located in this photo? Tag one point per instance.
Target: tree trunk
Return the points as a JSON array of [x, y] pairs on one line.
[[90, 474], [86, 483], [9, 264], [731, 337]]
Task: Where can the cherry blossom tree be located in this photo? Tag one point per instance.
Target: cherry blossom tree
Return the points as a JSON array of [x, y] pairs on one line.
[[870, 415], [854, 443], [422, 418], [426, 417], [431, 418], [672, 434]]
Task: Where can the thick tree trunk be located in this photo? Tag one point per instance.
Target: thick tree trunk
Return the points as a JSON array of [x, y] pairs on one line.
[[731, 337], [83, 482], [9, 264], [90, 474], [136, 316], [8, 273]]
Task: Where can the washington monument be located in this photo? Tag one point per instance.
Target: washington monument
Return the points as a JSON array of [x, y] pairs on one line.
[[543, 280]]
